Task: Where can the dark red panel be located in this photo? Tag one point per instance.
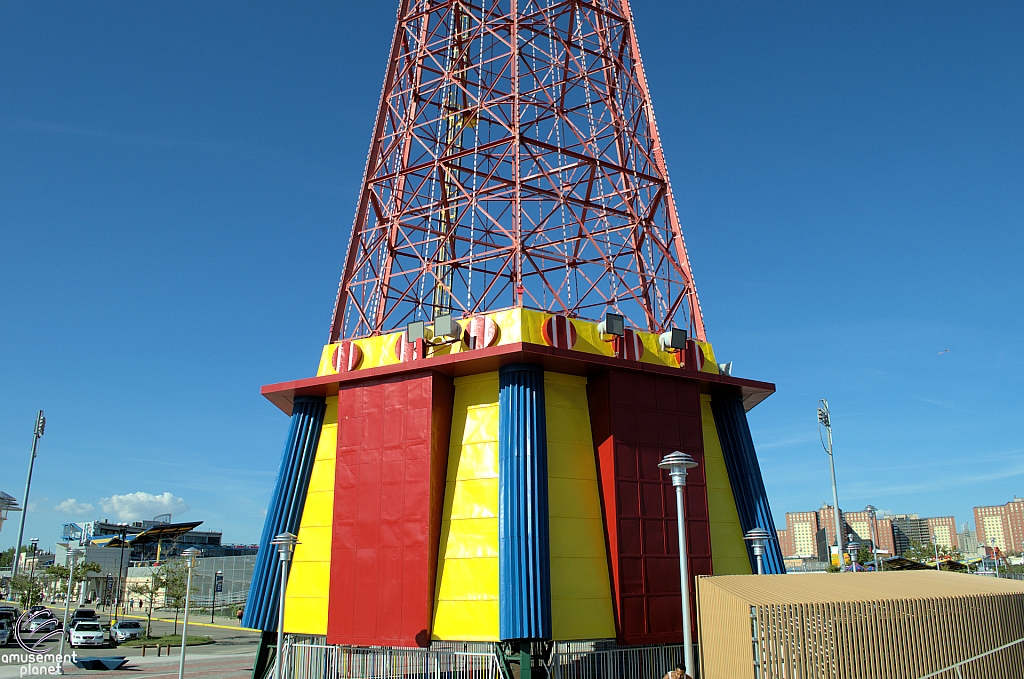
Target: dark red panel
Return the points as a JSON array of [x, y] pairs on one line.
[[637, 419], [389, 493]]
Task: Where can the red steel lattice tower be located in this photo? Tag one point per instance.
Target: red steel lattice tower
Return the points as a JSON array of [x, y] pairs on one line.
[[515, 161]]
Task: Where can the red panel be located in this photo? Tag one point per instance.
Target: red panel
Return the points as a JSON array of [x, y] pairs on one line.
[[637, 419], [389, 493]]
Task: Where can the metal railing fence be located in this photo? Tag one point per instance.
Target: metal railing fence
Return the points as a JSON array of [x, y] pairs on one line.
[[312, 658], [601, 660], [316, 660]]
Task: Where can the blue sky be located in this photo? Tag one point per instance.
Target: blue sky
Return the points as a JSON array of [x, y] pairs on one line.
[[177, 182]]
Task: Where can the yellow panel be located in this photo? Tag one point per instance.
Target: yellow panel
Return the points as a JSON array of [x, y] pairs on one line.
[[466, 602], [581, 604], [310, 578], [728, 551], [478, 538], [466, 620], [474, 499]]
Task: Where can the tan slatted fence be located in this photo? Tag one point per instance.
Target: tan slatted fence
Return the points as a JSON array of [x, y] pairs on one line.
[[898, 625]]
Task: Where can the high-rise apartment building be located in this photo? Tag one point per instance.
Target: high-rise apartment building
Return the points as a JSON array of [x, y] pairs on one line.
[[801, 528], [859, 524], [886, 543], [942, 531], [1001, 526]]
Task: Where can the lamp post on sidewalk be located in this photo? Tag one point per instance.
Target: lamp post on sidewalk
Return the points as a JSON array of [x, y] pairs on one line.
[[854, 549], [72, 556], [871, 509], [757, 537], [190, 563], [678, 464], [285, 543], [825, 420], [935, 544], [36, 435]]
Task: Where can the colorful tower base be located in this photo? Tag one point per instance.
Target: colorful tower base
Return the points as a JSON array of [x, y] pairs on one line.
[[501, 484]]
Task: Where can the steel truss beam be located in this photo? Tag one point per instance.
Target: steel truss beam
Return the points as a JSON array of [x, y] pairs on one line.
[[515, 161]]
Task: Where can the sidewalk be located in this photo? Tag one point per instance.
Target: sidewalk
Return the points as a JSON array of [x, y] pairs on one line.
[[193, 619]]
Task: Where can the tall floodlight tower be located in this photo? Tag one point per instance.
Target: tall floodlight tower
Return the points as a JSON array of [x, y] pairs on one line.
[[516, 343]]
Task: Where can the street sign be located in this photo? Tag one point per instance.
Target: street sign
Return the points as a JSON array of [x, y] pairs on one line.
[[220, 584]]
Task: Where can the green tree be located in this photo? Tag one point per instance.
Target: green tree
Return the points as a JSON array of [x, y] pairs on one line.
[[174, 578], [148, 592], [59, 574], [27, 589]]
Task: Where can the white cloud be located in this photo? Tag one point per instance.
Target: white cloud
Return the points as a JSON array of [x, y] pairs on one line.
[[137, 506], [75, 508]]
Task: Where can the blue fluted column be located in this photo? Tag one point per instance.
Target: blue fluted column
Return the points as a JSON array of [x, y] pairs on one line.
[[285, 510], [524, 569]]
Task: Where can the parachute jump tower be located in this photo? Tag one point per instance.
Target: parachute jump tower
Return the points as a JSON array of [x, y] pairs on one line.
[[516, 344]]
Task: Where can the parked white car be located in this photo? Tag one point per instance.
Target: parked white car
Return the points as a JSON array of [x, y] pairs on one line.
[[86, 634]]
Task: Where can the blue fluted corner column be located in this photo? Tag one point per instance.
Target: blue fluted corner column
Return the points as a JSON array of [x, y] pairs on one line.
[[285, 511], [524, 565]]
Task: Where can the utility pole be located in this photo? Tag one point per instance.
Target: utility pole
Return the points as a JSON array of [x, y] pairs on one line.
[[36, 435], [824, 420]]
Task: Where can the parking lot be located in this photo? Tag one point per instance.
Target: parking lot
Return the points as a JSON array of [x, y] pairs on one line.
[[230, 655]]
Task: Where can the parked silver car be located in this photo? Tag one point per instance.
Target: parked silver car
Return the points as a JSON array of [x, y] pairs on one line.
[[125, 630], [5, 633]]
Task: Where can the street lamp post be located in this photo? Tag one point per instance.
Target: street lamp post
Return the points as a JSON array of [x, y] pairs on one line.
[[123, 533], [871, 509], [825, 420], [218, 578], [32, 572], [190, 563], [35, 546], [285, 546], [678, 464], [36, 435], [757, 537], [935, 544], [72, 554]]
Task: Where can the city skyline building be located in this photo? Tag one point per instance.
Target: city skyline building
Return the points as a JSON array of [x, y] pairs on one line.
[[1001, 526], [806, 533]]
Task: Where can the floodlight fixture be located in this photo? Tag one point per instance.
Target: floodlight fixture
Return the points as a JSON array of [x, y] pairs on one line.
[[415, 331], [445, 326], [613, 324], [672, 340]]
